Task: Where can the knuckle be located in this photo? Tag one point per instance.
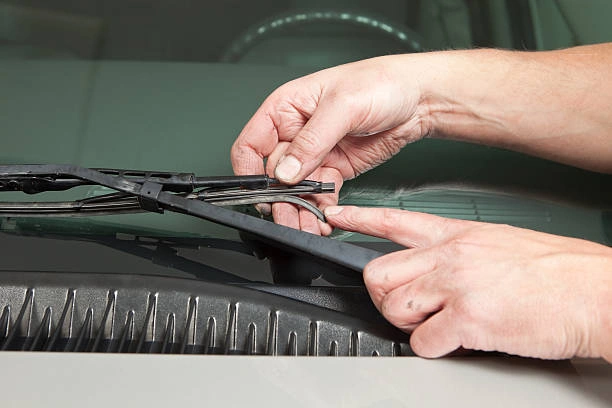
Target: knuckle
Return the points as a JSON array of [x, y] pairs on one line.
[[391, 312], [237, 151], [409, 294], [412, 308], [240, 156], [390, 220], [347, 101], [402, 308], [309, 142], [283, 92], [349, 218], [356, 218], [370, 275], [348, 97], [446, 226], [468, 311], [372, 279], [456, 248], [397, 317]]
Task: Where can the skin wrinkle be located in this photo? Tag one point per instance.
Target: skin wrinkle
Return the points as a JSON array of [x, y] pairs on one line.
[[342, 169], [353, 172], [309, 141], [250, 163], [371, 161], [265, 153], [291, 128], [365, 115]]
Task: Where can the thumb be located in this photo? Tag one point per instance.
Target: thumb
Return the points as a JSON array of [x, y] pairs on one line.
[[328, 124]]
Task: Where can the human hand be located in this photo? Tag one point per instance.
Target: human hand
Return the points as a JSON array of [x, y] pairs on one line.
[[330, 126], [487, 287]]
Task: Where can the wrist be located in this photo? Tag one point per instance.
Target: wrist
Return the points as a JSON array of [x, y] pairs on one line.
[[543, 103], [460, 95], [458, 91]]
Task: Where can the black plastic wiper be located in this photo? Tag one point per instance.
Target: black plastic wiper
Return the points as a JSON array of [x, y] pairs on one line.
[[224, 190], [178, 192]]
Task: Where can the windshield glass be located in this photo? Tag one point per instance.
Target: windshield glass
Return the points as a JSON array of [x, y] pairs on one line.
[[167, 85]]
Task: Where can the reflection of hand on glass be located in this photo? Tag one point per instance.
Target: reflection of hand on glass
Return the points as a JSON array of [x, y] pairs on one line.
[[338, 123]]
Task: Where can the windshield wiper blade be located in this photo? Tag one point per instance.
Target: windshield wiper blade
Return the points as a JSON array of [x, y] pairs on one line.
[[224, 191], [175, 192]]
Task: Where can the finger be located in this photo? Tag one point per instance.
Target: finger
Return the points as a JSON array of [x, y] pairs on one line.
[[286, 214], [325, 228], [328, 124], [328, 174], [275, 156], [325, 200], [308, 222], [387, 273], [256, 141], [436, 337], [410, 304], [264, 208], [411, 229]]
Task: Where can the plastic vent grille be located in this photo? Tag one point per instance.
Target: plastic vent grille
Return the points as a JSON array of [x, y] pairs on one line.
[[213, 319]]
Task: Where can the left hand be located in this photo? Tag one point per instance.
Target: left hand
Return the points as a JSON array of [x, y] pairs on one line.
[[487, 287], [333, 125]]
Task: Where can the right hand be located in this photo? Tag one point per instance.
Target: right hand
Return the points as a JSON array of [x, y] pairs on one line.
[[331, 125], [491, 287]]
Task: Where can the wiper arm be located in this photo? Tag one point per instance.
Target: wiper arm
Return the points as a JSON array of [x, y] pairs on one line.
[[178, 192]]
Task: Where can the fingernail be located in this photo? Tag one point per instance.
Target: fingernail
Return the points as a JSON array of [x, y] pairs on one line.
[[287, 168], [332, 210], [264, 208]]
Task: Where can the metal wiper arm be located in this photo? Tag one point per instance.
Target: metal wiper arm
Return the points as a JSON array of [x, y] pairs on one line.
[[157, 194]]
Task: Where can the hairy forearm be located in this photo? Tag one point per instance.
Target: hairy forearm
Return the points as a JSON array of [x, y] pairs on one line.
[[555, 104]]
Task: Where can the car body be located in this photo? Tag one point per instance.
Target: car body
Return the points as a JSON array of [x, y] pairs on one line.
[[167, 86]]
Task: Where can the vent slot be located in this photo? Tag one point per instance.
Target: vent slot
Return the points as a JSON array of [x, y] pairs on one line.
[[166, 315]]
